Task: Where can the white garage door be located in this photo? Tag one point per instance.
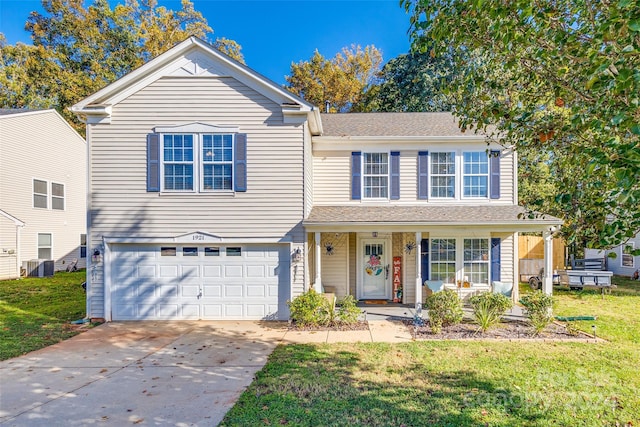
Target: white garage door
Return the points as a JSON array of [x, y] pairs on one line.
[[199, 282]]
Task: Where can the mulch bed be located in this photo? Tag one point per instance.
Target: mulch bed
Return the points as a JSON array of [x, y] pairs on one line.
[[506, 330], [358, 326]]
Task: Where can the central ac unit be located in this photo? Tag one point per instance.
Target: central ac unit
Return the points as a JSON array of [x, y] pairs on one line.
[[39, 267]]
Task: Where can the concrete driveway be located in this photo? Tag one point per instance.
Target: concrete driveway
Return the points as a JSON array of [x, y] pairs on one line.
[[137, 373]]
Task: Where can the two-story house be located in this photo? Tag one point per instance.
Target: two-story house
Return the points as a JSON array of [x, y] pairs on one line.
[[216, 194], [43, 167]]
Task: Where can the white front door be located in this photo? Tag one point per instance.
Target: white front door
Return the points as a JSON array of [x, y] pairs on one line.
[[374, 269]]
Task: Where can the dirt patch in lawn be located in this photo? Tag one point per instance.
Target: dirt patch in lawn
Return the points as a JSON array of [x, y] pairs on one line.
[[508, 330]]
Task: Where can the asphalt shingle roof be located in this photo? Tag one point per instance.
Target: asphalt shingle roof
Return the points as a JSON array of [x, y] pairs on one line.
[[391, 124], [478, 215], [9, 111]]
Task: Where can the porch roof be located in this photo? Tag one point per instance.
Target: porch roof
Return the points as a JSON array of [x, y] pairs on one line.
[[507, 217]]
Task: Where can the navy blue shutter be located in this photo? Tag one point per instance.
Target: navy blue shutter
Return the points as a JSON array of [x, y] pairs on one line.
[[395, 175], [495, 259], [423, 175], [356, 168], [240, 163], [153, 162], [424, 259], [495, 174]]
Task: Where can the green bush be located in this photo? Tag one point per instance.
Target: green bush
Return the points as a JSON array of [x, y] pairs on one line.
[[538, 309], [309, 309], [488, 308], [445, 309], [314, 309], [348, 311]]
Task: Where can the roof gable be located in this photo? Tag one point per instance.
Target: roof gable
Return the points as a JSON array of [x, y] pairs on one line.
[[192, 58]]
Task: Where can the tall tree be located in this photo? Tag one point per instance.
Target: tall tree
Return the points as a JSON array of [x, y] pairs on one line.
[[557, 76], [411, 82], [78, 50], [341, 81]]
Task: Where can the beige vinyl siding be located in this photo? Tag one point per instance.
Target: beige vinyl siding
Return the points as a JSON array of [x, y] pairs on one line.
[[335, 268], [332, 178], [43, 146], [409, 268], [272, 207], [507, 261], [8, 249]]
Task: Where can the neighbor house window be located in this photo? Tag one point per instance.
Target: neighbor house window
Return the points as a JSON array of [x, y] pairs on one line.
[[443, 260], [627, 257], [476, 260], [376, 175], [40, 194], [57, 196], [443, 175], [44, 246], [83, 246], [475, 174], [178, 162]]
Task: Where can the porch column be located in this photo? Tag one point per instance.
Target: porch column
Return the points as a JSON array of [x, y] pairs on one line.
[[547, 279], [318, 280], [418, 274]]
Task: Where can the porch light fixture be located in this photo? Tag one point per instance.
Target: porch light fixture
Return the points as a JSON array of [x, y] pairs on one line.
[[296, 256], [96, 256]]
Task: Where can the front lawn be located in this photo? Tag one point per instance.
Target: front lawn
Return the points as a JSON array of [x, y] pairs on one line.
[[461, 383], [35, 312]]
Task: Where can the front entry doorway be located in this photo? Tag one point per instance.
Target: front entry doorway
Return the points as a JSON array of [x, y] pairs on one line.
[[374, 269]]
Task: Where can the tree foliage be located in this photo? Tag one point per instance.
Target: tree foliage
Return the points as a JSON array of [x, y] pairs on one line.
[[411, 82], [341, 81], [77, 50], [558, 77]]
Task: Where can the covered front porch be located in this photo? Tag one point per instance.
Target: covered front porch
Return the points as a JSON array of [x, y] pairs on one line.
[[401, 254]]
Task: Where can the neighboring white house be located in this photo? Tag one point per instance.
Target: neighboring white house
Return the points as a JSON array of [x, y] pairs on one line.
[[216, 194], [42, 191], [620, 259]]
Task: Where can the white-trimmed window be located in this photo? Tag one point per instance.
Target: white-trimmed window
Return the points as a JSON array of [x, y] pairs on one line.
[[217, 162], [476, 260], [202, 162], [475, 180], [57, 196], [443, 260], [627, 259], [40, 194], [83, 246], [375, 175], [45, 245], [443, 175]]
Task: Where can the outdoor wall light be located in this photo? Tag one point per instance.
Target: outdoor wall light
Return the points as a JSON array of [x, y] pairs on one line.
[[296, 256], [96, 256]]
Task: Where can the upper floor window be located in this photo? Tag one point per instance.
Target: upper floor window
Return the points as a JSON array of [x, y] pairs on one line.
[[475, 174], [375, 175], [42, 191], [200, 161], [443, 175]]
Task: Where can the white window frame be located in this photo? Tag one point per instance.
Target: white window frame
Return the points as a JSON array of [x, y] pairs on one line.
[[198, 163], [471, 276], [50, 247], [214, 162], [459, 261], [433, 175], [83, 244], [34, 193], [63, 197], [628, 255], [387, 176], [464, 175]]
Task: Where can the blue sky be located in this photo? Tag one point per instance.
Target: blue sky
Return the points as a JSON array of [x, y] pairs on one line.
[[274, 33]]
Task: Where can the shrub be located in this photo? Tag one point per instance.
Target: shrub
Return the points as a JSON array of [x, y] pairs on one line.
[[348, 311], [445, 309], [538, 310], [488, 308], [309, 309], [314, 309]]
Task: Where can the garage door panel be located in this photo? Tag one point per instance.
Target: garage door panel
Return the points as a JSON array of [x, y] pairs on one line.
[[145, 285]]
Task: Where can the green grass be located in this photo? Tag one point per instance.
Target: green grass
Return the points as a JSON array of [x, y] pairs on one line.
[[35, 312], [461, 383]]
